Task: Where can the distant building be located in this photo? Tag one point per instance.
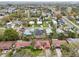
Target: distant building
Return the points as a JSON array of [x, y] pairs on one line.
[[39, 21], [69, 9], [48, 31], [31, 22], [10, 25]]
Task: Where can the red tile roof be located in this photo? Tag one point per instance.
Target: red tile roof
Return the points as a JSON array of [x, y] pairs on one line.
[[47, 44], [22, 44], [6, 44], [57, 43], [42, 44]]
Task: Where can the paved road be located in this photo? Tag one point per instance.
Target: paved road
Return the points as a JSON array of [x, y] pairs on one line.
[[58, 52], [5, 53], [73, 40], [70, 22], [47, 52]]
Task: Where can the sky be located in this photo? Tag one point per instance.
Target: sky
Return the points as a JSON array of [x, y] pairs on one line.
[[39, 0]]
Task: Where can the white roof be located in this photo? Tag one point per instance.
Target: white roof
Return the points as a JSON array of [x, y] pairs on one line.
[[31, 22], [77, 22], [48, 30], [59, 30], [77, 16], [9, 23], [55, 22], [39, 22]]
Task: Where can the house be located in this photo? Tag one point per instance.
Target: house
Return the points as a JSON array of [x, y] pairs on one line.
[[61, 22], [2, 14], [39, 21], [18, 22], [39, 31], [48, 31], [6, 45], [31, 22], [42, 44], [71, 17], [57, 43], [72, 40], [54, 17], [54, 22], [77, 19], [10, 25], [77, 22], [46, 44], [27, 32], [22, 44], [43, 14], [59, 30], [10, 9], [21, 29], [37, 44]]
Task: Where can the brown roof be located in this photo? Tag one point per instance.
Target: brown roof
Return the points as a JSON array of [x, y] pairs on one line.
[[6, 44], [42, 43]]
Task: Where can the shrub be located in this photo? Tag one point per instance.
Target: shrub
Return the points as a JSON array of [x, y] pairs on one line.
[[9, 54], [65, 48], [61, 36], [71, 34], [68, 50], [1, 37], [10, 35]]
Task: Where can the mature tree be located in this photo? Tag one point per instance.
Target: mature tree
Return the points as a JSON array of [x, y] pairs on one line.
[[10, 35], [71, 34]]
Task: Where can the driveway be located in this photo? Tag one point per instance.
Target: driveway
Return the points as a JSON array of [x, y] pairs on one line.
[[47, 52], [58, 52]]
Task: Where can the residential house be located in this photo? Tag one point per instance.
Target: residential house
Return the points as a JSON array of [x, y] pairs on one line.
[[31, 22], [54, 22], [57, 43], [61, 22], [39, 21], [29, 31], [2, 14], [17, 22], [59, 30], [6, 45], [48, 31], [22, 44], [77, 20], [42, 44], [10, 25], [11, 9], [72, 40], [39, 31]]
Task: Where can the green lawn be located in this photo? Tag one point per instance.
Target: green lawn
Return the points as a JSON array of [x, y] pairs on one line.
[[68, 50], [2, 31], [0, 52], [27, 52]]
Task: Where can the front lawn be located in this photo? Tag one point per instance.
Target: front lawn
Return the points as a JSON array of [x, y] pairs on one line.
[[68, 50], [27, 52]]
